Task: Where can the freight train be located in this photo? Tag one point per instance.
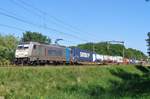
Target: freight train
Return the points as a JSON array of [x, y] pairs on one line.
[[35, 53]]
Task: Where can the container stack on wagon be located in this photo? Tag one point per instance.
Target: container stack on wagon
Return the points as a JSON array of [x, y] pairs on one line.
[[82, 56]]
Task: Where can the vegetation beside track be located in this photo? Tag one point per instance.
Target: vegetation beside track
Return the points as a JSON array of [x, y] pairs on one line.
[[75, 82]]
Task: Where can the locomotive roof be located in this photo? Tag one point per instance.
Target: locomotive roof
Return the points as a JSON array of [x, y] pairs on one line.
[[37, 43]]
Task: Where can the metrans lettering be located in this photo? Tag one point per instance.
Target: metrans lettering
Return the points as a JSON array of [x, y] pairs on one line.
[[83, 54]]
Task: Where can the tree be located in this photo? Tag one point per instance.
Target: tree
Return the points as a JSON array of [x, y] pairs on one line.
[[8, 44], [148, 43], [36, 37]]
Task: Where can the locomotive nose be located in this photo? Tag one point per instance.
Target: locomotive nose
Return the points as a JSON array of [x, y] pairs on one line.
[[20, 53]]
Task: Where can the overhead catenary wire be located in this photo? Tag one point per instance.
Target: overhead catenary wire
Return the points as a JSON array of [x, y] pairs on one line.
[[13, 27], [20, 29], [18, 19], [39, 26], [12, 13], [44, 25], [56, 19], [28, 10], [25, 8]]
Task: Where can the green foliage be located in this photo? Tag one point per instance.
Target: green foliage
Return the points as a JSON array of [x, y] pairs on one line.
[[133, 53], [8, 44], [35, 36], [148, 43], [113, 49], [87, 82]]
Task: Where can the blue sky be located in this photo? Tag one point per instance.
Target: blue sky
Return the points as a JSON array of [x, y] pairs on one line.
[[93, 20]]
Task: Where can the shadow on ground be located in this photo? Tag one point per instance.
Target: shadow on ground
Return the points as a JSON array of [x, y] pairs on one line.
[[131, 84]]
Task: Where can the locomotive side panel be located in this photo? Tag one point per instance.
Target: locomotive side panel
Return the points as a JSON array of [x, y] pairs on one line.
[[38, 52], [55, 53]]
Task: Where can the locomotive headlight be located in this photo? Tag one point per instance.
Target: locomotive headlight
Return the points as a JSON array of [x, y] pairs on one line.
[[26, 54], [17, 55]]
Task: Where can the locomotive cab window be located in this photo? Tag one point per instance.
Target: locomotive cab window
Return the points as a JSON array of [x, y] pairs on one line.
[[20, 47], [26, 47], [34, 47]]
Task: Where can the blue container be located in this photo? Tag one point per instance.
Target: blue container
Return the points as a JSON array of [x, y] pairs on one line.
[[68, 54], [81, 55]]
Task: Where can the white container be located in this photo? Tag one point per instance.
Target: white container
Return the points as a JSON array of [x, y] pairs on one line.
[[94, 57], [119, 59], [99, 57]]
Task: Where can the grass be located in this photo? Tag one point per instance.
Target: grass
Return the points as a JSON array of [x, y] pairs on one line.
[[75, 82]]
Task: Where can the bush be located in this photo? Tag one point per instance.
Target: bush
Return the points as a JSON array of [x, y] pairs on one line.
[[5, 62], [8, 45]]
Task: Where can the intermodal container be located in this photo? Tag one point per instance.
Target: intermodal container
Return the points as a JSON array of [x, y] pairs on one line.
[[98, 57], [68, 55], [82, 55]]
